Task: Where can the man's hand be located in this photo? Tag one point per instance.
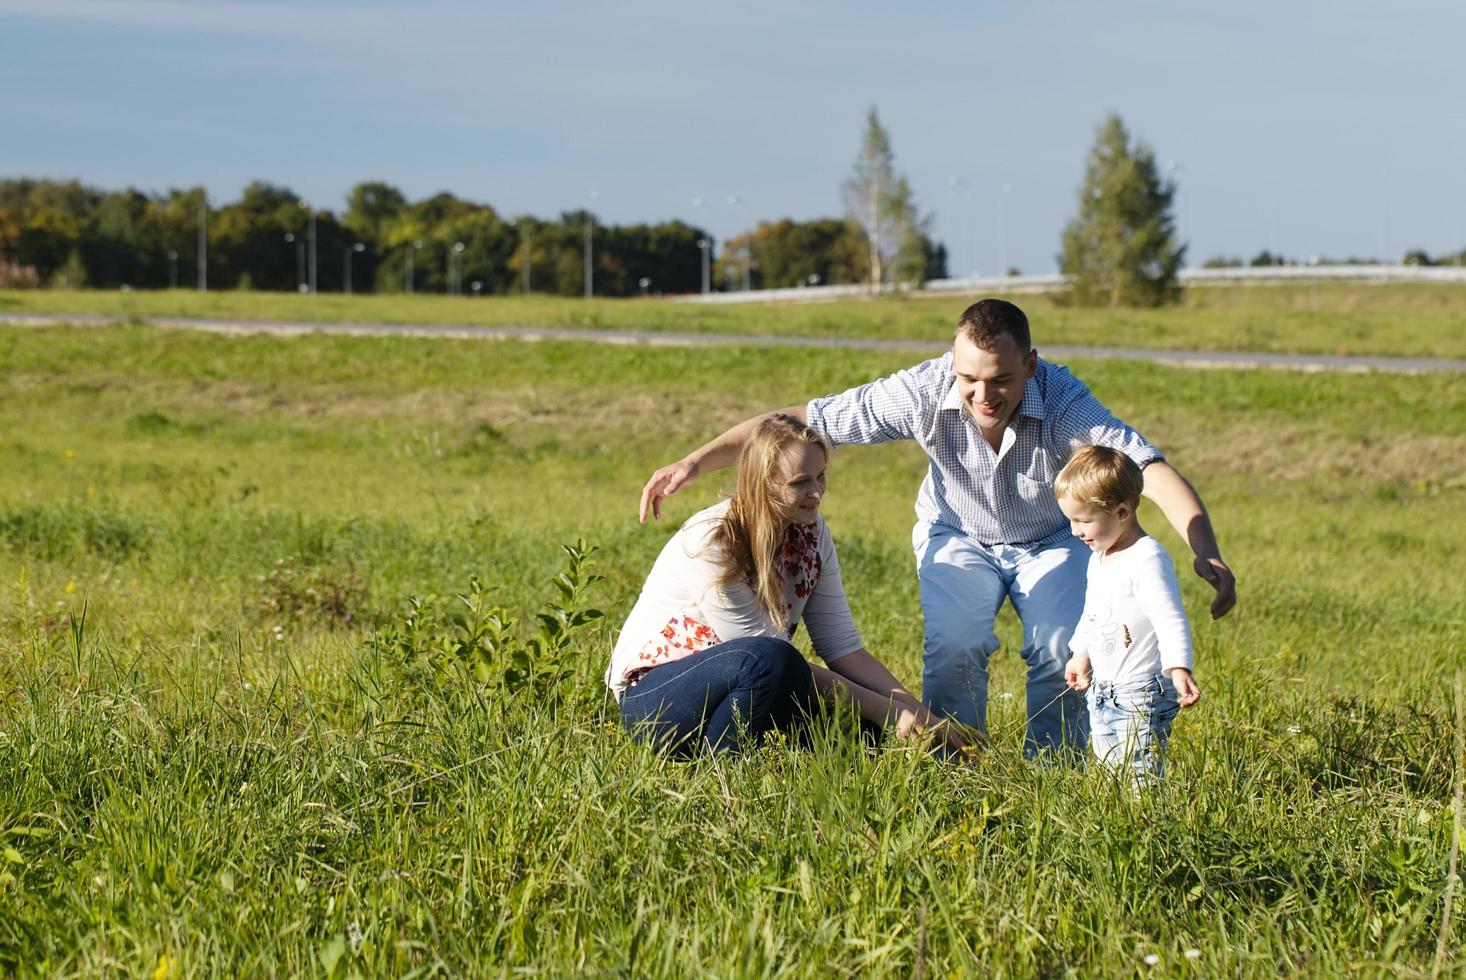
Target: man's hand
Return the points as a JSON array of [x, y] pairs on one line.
[[1186, 690], [1220, 577], [665, 482], [1077, 673]]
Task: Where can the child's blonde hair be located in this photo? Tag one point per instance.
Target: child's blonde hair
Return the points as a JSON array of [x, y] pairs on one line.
[[1100, 476]]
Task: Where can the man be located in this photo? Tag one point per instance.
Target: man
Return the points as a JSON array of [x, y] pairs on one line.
[[998, 424]]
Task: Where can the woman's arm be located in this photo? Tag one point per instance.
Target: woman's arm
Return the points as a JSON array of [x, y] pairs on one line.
[[903, 714], [868, 672], [717, 453]]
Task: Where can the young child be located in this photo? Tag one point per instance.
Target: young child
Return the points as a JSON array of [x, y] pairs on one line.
[[1132, 648]]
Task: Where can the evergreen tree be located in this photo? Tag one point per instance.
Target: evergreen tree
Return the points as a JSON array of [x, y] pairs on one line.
[[1121, 248], [879, 200]]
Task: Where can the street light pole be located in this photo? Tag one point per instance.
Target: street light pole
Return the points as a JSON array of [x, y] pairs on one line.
[[1171, 168], [589, 269], [311, 242], [705, 245], [291, 237], [455, 259], [411, 251], [1003, 235], [358, 247], [172, 269], [735, 201], [965, 227], [524, 254], [204, 243]]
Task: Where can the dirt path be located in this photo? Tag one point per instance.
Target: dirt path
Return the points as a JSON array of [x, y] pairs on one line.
[[1178, 358]]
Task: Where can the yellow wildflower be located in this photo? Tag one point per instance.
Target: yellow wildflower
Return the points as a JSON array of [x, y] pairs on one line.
[[70, 454], [167, 968], [70, 586]]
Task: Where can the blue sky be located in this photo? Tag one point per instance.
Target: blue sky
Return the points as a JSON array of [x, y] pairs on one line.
[[1306, 127]]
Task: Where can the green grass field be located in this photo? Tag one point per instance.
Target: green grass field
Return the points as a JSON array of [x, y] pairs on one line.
[[1402, 320], [223, 751]]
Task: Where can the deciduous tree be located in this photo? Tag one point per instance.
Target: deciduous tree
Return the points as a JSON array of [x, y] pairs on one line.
[[879, 200]]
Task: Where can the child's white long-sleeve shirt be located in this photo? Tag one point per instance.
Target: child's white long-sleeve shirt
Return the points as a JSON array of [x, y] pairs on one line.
[[1133, 625]]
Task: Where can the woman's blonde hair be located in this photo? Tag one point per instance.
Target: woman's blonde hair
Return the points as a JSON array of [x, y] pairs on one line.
[[752, 530]]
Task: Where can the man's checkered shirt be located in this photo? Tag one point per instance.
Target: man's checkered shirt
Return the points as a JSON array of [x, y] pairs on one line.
[[995, 497]]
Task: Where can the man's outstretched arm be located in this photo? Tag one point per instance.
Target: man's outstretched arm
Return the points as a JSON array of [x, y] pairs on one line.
[[1182, 506], [714, 455]]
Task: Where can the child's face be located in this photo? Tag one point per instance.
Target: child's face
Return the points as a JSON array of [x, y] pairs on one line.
[[1099, 528]]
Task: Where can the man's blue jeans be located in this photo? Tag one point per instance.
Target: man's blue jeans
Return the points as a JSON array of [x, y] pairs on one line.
[[724, 698], [963, 584]]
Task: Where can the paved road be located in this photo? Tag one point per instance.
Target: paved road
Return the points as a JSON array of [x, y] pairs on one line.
[[1179, 358]]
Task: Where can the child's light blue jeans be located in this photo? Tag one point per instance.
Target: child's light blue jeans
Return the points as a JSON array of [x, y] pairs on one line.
[[1129, 723]]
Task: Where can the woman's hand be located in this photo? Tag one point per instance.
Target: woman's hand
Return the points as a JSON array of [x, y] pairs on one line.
[[918, 723], [665, 482]]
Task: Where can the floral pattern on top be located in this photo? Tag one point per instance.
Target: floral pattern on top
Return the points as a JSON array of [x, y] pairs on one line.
[[800, 561], [681, 637], [801, 566]]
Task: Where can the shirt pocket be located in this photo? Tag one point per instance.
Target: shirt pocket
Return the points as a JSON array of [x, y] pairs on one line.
[[1042, 467], [1032, 491]]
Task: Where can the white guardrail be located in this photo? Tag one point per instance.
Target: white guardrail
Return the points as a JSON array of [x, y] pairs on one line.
[[1262, 275]]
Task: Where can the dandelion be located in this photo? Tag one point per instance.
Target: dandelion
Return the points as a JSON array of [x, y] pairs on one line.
[[167, 968], [1151, 959], [70, 586], [70, 454]]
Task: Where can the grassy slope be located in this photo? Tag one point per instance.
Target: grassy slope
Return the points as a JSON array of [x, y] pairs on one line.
[[220, 768], [1426, 320]]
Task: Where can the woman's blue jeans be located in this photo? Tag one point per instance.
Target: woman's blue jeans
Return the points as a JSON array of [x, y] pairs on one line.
[[723, 699]]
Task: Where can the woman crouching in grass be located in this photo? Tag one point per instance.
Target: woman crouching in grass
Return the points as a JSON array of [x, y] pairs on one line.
[[704, 660]]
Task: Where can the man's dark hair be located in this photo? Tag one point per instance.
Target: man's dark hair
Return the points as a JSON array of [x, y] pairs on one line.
[[988, 319]]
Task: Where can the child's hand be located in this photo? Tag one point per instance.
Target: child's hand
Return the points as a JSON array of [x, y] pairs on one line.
[[1186, 690], [1077, 673]]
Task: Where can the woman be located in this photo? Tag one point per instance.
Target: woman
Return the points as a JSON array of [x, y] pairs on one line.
[[704, 659]]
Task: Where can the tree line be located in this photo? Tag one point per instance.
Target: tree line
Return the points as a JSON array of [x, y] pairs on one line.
[[67, 234], [1121, 248]]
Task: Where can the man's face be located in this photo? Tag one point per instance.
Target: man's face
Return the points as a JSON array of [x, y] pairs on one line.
[[991, 382]]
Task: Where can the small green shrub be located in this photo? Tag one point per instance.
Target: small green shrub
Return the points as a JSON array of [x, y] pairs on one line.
[[478, 641], [60, 531]]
